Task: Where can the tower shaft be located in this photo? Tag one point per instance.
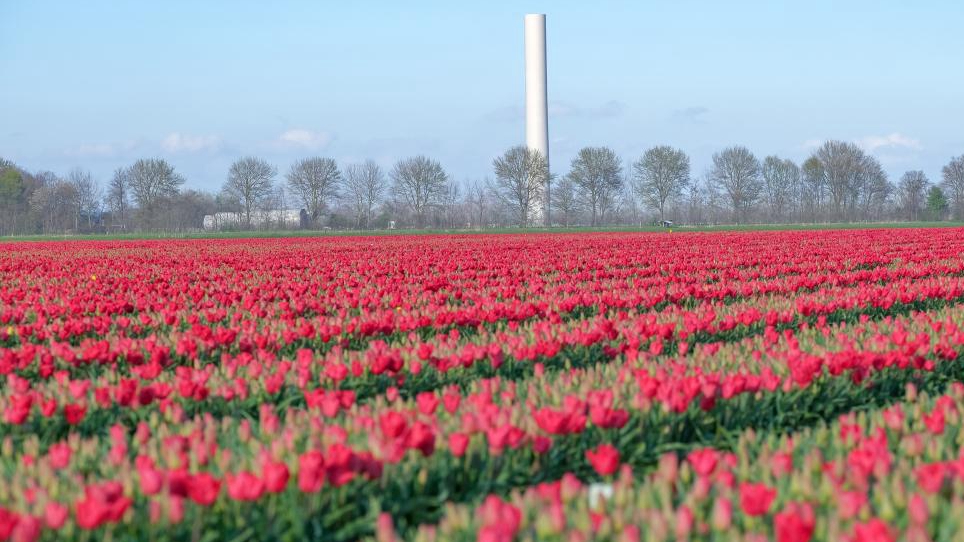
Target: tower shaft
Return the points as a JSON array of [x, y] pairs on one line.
[[537, 107]]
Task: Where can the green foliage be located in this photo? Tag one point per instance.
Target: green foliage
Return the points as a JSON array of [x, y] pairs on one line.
[[11, 185], [937, 203], [495, 231]]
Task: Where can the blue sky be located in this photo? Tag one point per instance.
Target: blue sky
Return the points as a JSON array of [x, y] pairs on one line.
[[98, 84]]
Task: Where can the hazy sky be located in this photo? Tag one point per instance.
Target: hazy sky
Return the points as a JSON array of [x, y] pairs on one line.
[[98, 84]]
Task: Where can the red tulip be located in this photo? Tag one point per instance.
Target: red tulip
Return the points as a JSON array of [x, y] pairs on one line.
[[55, 515], [59, 455], [874, 530], [340, 464], [849, 503], [74, 413], [795, 523], [427, 402], [101, 504], [393, 424], [151, 480], [458, 442], [422, 438], [703, 461], [203, 488], [756, 498], [28, 529], [451, 402], [245, 486], [541, 444], [553, 421], [935, 421], [930, 477], [311, 474], [8, 522], [608, 418], [604, 459], [275, 476], [500, 520]]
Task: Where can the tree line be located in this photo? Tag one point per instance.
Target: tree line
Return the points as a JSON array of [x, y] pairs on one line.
[[838, 182]]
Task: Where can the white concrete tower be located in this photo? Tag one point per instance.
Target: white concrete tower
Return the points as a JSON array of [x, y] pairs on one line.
[[537, 106]]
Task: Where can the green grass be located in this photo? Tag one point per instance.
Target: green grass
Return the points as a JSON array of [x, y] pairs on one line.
[[509, 230]]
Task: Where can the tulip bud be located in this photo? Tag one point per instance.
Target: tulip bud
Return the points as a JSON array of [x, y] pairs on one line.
[[886, 510], [668, 468], [629, 534], [701, 489], [917, 510], [722, 513], [684, 522], [570, 487], [910, 392], [384, 529]]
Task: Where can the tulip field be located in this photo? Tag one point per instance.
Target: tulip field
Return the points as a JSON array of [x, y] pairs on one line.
[[748, 386]]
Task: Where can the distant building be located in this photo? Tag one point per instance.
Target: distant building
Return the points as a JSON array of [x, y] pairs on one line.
[[281, 219]]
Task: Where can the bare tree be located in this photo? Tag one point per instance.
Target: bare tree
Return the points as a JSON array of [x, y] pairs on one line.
[[597, 174], [365, 186], [478, 199], [56, 202], [566, 201], [186, 210], [449, 203], [88, 196], [661, 173], [152, 181], [609, 202], [118, 196], [840, 163], [420, 182], [781, 179], [521, 175], [876, 190], [695, 199], [316, 182], [250, 181], [737, 172], [812, 189], [845, 171], [911, 194], [953, 184]]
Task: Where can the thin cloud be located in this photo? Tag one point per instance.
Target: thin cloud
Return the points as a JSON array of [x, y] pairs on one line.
[[306, 139], [509, 113], [695, 114], [185, 143], [893, 141], [92, 150], [562, 109], [892, 160], [513, 113], [103, 150], [612, 108]]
